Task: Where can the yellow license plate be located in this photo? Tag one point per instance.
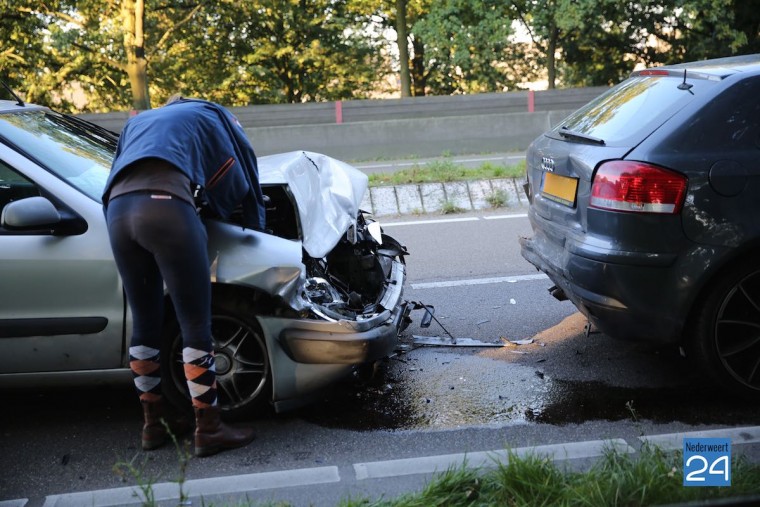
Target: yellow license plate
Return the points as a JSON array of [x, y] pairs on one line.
[[560, 188]]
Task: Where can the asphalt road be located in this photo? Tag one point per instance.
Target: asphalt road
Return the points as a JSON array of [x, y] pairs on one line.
[[427, 408]]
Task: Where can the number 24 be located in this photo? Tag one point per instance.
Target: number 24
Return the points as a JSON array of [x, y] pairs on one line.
[[694, 475]]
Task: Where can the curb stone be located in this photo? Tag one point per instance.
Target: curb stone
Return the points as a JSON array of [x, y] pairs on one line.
[[432, 197]]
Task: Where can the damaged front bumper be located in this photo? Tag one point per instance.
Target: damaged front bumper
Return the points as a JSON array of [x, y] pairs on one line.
[[358, 341]]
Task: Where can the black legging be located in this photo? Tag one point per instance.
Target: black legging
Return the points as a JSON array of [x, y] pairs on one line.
[[157, 240]]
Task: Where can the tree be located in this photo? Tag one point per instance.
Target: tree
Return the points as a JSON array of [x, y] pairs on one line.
[[599, 42], [539, 18], [99, 47], [308, 50], [402, 36], [700, 29], [624, 31], [131, 51], [458, 46], [21, 50], [464, 43], [398, 16]]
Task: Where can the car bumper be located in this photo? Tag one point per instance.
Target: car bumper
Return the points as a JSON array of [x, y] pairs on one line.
[[614, 289], [345, 342]]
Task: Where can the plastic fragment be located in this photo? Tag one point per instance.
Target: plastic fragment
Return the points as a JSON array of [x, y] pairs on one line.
[[526, 341]]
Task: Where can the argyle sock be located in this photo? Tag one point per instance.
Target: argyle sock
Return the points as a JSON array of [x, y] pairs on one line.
[[200, 372], [146, 371]]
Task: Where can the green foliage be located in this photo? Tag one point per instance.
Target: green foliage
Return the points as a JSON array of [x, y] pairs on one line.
[[89, 54], [444, 171], [237, 53], [129, 469], [464, 43], [601, 41], [651, 477], [497, 199], [308, 50], [449, 207]]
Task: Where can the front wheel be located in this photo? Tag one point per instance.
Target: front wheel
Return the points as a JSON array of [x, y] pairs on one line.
[[243, 373], [726, 332]]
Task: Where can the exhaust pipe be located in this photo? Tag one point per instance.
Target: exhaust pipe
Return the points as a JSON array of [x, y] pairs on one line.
[[558, 293]]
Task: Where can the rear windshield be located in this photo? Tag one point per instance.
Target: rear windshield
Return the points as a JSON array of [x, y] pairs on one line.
[[630, 111]]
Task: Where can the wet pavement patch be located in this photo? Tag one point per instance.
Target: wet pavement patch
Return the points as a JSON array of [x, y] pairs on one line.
[[453, 390], [578, 402]]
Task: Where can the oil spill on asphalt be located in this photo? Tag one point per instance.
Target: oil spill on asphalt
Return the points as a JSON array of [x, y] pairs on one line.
[[448, 391]]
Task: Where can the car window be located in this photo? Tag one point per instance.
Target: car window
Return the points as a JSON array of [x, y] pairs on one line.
[[76, 153], [630, 111], [14, 186]]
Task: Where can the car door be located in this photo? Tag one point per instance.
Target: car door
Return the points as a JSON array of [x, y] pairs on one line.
[[61, 300]]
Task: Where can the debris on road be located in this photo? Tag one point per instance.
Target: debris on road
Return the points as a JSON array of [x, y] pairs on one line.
[[441, 341]]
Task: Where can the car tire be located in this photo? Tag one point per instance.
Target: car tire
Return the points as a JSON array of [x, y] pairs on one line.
[[725, 338], [243, 373]]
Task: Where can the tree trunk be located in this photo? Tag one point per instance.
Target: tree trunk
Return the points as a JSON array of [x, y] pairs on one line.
[[418, 68], [133, 14], [402, 40], [551, 60]]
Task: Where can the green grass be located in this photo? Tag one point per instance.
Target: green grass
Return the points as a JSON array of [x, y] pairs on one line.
[[449, 208], [445, 171], [497, 199], [650, 477]]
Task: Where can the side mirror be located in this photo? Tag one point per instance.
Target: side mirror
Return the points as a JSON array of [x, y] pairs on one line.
[[30, 213], [37, 215]]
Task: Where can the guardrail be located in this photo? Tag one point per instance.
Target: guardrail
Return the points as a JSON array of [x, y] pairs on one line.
[[350, 111], [401, 128]]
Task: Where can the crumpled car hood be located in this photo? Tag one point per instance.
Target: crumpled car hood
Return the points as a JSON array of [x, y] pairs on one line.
[[328, 194]]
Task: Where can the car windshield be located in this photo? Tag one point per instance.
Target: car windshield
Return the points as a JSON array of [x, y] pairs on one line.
[[75, 151], [633, 109]]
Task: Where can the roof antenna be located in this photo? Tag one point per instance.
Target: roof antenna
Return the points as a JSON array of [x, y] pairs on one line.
[[19, 102], [685, 85]]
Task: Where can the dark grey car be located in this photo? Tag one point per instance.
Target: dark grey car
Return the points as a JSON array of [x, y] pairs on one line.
[[645, 207]]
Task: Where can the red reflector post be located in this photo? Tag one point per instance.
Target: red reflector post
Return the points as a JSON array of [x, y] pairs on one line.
[[637, 187]]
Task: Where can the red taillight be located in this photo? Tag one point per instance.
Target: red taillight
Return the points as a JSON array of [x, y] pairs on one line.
[[637, 187]]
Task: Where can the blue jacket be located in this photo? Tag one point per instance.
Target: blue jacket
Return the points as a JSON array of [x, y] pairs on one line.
[[205, 142]]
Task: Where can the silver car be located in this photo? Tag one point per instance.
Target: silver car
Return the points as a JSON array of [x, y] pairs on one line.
[[294, 308]]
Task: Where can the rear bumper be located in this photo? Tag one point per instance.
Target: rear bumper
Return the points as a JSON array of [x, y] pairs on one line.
[[624, 295]]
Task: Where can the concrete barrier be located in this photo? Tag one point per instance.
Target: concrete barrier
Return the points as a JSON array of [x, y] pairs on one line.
[[401, 128], [501, 193], [421, 137]]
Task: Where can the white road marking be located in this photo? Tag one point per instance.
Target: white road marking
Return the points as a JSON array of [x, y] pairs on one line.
[[240, 484], [478, 281], [672, 441], [452, 220], [199, 487], [501, 217], [433, 464], [428, 222]]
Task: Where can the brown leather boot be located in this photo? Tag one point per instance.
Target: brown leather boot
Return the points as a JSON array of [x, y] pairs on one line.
[[212, 435], [154, 432]]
